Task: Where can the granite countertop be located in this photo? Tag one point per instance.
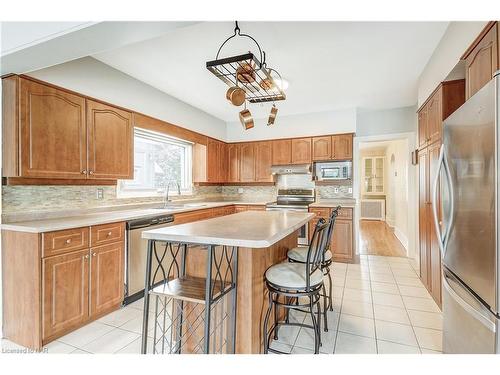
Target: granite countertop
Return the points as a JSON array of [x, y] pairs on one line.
[[344, 202], [85, 218], [254, 229]]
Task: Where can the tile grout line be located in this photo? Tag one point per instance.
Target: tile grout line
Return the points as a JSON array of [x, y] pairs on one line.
[[373, 308], [340, 309], [407, 314]]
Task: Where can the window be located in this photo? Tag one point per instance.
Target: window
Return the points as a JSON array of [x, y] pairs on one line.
[[158, 159]]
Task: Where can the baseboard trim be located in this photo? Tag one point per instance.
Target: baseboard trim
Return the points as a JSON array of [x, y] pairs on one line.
[[401, 237]]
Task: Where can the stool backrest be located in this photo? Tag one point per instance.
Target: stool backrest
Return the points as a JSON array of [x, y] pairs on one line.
[[316, 251], [333, 217]]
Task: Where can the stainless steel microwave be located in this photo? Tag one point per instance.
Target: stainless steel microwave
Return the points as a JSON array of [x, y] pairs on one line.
[[336, 170]]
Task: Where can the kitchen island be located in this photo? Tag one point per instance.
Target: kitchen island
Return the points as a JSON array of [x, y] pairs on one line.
[[239, 248]]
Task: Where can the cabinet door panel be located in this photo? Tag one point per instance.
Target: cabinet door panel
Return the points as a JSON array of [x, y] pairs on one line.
[[110, 135], [213, 150], [52, 132], [342, 147], [234, 163], [423, 162], [301, 150], [223, 162], [247, 164], [422, 127], [65, 292], [263, 162], [106, 277], [481, 63], [282, 152], [321, 148], [434, 119], [341, 243]]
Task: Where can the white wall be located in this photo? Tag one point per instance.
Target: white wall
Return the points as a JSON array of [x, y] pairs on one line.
[[397, 188], [456, 39], [94, 78], [318, 123], [388, 121]]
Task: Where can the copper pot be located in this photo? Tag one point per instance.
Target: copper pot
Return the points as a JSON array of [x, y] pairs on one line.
[[236, 95], [272, 115], [266, 84], [245, 73], [246, 119]]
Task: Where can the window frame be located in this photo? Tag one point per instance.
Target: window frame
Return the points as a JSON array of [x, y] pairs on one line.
[[186, 171]]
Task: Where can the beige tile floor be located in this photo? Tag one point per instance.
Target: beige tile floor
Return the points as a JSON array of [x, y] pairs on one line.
[[380, 306]]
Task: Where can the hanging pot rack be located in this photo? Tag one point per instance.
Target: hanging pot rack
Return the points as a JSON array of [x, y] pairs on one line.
[[248, 72]]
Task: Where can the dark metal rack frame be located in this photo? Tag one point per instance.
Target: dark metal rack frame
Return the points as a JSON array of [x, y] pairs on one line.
[[218, 284], [226, 70]]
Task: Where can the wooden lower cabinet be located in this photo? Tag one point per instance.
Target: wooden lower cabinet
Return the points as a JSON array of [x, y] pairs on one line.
[[106, 277], [65, 284], [342, 242]]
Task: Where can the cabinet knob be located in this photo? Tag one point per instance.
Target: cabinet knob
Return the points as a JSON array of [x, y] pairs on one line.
[[94, 254], [109, 234], [68, 240], [91, 172], [86, 256], [84, 171]]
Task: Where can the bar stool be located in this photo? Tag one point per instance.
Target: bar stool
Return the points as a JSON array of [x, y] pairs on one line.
[[299, 255], [287, 282]]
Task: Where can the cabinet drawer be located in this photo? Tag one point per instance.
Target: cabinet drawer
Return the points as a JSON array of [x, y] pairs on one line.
[[345, 213], [107, 233], [63, 241], [320, 211]]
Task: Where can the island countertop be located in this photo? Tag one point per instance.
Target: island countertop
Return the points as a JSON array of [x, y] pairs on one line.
[[252, 229]]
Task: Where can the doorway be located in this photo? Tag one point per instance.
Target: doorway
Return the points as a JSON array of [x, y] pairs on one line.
[[385, 189]]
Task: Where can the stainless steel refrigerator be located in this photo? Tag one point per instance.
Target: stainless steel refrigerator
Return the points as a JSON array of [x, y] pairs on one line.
[[467, 223]]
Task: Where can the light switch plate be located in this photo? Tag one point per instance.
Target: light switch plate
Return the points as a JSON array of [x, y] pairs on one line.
[[336, 189], [240, 190]]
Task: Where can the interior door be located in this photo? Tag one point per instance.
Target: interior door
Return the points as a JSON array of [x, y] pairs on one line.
[[469, 138]]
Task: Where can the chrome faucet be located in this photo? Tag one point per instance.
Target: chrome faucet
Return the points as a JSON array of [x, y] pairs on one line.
[[167, 190]]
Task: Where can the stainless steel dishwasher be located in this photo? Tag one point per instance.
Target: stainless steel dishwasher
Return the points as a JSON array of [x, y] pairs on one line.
[[136, 254]]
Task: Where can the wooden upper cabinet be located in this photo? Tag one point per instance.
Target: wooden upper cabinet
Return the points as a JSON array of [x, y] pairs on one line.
[[223, 162], [321, 148], [110, 142], [301, 150], [52, 133], [233, 162], [213, 150], [263, 161], [247, 162], [422, 127], [282, 152], [434, 117], [481, 60], [65, 292], [342, 147], [106, 277]]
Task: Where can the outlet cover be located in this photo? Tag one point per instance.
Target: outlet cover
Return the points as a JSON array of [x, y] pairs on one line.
[[100, 193], [350, 190], [336, 190]]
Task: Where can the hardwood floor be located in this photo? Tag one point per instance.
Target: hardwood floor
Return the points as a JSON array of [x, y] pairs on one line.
[[377, 238]]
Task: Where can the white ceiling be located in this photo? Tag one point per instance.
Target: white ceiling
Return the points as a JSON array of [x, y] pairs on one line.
[[330, 65]]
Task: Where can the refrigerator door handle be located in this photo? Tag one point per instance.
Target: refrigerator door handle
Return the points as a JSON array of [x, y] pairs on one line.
[[467, 307], [442, 237]]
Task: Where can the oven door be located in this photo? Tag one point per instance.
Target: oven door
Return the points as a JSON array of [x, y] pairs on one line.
[[303, 239]]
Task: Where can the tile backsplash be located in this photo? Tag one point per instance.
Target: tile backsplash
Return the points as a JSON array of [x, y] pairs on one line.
[[23, 200], [16, 199]]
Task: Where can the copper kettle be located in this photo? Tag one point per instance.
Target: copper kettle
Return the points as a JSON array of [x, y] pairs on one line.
[[246, 119]]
